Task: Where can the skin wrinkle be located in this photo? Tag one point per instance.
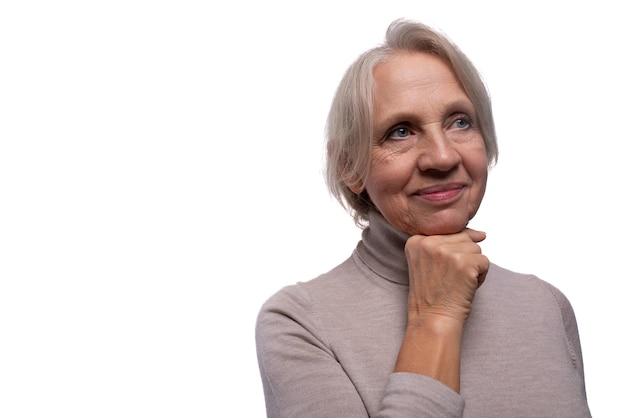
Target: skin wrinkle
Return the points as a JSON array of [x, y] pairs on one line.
[[418, 91]]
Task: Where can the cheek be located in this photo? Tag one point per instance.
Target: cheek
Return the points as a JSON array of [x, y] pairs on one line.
[[476, 162], [479, 173], [390, 171], [388, 176], [384, 184]]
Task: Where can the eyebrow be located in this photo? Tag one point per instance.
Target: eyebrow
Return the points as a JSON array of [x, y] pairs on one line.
[[462, 105]]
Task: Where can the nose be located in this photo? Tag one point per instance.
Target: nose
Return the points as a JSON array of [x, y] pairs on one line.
[[438, 152]]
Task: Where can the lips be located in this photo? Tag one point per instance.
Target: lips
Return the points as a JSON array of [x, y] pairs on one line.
[[441, 192]]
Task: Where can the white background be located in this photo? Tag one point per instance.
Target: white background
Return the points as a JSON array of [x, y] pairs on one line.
[[160, 177]]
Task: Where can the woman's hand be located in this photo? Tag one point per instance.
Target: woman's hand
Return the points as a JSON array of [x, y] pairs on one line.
[[444, 273]]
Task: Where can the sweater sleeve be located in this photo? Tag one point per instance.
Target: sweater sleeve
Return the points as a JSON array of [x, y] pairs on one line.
[[302, 377], [571, 329], [416, 395]]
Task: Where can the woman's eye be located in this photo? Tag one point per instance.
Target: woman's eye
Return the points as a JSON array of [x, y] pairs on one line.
[[462, 123], [399, 133]]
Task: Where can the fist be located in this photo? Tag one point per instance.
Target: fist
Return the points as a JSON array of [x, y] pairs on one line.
[[444, 273]]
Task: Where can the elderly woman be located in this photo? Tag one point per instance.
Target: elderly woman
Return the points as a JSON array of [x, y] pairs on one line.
[[417, 322]]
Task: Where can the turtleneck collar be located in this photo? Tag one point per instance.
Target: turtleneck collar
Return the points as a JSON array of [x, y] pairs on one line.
[[382, 249]]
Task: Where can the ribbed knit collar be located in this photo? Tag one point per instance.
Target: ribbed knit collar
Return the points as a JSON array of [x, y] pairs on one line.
[[382, 249]]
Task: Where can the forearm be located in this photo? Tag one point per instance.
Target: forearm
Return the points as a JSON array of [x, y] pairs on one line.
[[432, 347]]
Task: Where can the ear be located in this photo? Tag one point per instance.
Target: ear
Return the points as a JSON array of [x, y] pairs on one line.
[[355, 182], [355, 187]]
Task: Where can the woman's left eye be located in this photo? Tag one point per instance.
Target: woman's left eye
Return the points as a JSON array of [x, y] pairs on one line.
[[462, 123]]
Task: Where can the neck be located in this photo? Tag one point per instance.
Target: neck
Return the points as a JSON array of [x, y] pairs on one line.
[[382, 249]]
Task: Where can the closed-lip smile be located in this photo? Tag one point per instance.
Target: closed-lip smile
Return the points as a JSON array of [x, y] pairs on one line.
[[441, 192]]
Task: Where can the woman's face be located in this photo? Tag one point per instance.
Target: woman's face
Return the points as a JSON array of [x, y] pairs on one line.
[[429, 165]]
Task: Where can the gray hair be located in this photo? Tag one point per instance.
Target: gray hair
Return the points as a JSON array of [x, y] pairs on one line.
[[349, 129]]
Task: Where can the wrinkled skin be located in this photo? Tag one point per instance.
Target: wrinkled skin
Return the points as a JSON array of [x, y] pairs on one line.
[[427, 178]]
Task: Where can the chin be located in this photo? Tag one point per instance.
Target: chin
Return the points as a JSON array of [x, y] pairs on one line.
[[443, 230], [441, 227]]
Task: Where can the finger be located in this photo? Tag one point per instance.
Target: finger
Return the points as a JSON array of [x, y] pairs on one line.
[[483, 269], [475, 235]]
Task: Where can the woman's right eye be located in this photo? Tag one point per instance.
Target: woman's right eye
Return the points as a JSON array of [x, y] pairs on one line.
[[400, 132]]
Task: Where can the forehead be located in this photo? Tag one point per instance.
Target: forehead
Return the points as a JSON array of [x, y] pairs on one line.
[[412, 69], [415, 59], [417, 81]]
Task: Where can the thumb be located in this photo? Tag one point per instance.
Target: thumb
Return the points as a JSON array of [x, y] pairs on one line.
[[476, 236]]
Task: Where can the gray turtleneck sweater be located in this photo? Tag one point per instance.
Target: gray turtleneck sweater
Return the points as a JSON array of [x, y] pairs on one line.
[[327, 347]]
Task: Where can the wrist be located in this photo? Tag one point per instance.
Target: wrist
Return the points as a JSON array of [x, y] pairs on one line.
[[435, 324]]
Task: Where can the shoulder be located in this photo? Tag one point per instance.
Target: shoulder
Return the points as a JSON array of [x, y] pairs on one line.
[[301, 316], [301, 301], [301, 293], [531, 295], [350, 280], [525, 296], [536, 303], [343, 297], [503, 279]]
